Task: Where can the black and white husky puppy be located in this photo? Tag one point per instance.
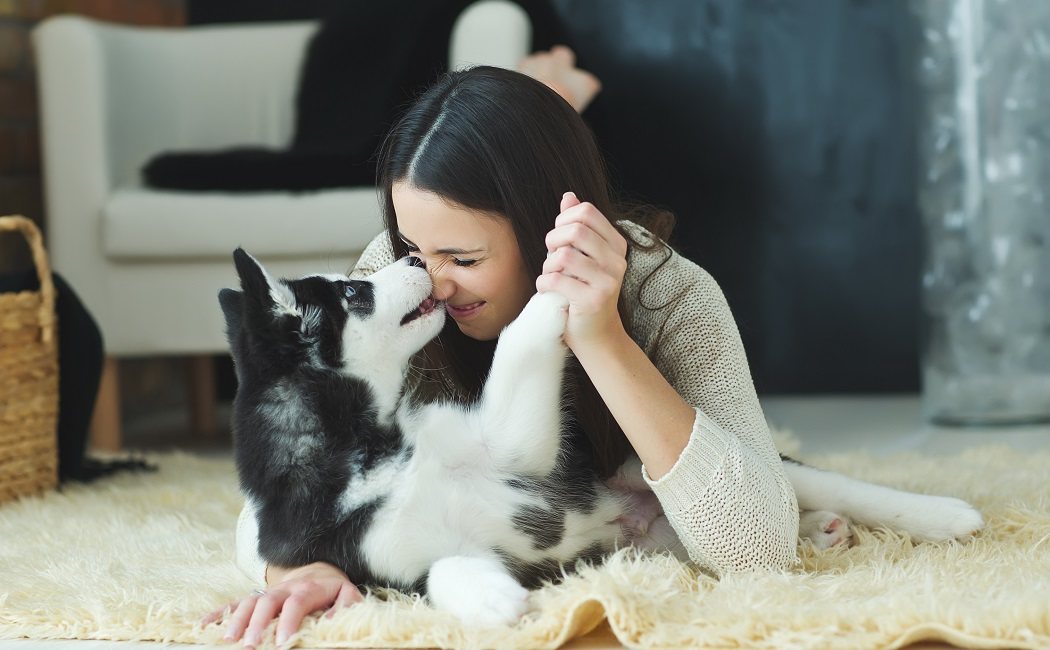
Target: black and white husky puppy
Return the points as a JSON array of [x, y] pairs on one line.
[[469, 504]]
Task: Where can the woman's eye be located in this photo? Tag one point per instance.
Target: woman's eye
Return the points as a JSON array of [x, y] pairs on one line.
[[349, 291], [464, 262]]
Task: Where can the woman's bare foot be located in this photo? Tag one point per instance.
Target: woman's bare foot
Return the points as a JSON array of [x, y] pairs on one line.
[[557, 68]]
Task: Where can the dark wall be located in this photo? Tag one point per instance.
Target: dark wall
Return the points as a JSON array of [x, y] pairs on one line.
[[782, 134]]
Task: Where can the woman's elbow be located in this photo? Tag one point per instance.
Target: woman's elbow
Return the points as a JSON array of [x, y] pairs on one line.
[[785, 535]]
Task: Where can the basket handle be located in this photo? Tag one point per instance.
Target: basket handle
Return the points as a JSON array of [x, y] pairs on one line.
[[43, 270]]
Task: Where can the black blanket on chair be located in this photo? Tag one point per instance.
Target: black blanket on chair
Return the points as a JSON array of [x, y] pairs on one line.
[[361, 69]]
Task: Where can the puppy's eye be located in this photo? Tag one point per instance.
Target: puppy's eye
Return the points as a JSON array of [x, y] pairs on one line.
[[349, 291]]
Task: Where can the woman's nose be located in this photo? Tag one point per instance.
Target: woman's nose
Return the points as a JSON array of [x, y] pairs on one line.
[[443, 287]]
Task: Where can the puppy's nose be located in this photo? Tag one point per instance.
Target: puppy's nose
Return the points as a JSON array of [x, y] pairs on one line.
[[416, 261]]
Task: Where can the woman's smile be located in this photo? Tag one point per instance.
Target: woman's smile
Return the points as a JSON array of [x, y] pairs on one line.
[[463, 312]]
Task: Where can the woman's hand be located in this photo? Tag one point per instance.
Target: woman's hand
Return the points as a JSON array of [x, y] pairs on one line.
[[299, 592], [586, 262], [557, 68]]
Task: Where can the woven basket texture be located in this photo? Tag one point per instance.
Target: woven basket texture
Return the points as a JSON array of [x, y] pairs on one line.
[[28, 377]]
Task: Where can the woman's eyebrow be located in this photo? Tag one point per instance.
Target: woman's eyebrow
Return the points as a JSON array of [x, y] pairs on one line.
[[442, 251]]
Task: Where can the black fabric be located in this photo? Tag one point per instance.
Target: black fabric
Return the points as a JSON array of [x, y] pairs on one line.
[[80, 369], [361, 69], [258, 169]]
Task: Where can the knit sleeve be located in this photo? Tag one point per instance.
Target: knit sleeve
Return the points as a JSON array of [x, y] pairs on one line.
[[375, 256], [727, 495], [248, 559]]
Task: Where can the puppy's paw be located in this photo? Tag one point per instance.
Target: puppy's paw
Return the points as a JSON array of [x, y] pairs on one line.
[[824, 529], [542, 320], [477, 591], [943, 518]]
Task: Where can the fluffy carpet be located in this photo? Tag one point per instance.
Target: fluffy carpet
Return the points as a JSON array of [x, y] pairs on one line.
[[142, 557]]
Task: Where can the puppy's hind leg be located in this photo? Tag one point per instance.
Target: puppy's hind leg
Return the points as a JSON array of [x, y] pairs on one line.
[[924, 517], [824, 529]]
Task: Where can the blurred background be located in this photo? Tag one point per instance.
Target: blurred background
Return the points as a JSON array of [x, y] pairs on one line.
[[783, 135], [794, 140]]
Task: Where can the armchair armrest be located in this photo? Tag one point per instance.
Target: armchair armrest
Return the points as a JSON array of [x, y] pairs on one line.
[[491, 32]]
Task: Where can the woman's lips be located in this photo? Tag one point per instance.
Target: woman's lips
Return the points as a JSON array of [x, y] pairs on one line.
[[464, 311]]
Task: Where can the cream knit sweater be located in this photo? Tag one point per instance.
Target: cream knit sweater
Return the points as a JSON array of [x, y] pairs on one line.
[[727, 496]]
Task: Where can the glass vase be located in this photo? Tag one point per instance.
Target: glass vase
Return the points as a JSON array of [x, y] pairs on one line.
[[985, 139]]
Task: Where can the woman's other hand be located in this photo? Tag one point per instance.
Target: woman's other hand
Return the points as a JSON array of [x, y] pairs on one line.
[[586, 262], [557, 68], [292, 595]]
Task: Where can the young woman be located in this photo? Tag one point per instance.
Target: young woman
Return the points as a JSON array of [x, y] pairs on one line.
[[495, 182]]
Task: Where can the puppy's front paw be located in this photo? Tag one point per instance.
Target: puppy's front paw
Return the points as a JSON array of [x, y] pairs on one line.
[[542, 319], [477, 591], [824, 529]]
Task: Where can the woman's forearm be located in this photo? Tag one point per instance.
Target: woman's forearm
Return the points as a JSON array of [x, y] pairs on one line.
[[654, 417]]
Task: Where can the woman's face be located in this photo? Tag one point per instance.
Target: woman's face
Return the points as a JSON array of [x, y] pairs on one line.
[[472, 257]]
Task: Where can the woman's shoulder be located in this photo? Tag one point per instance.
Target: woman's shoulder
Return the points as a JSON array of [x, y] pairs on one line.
[[656, 271], [673, 303]]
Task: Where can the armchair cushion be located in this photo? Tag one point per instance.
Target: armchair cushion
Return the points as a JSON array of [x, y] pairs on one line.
[[142, 224]]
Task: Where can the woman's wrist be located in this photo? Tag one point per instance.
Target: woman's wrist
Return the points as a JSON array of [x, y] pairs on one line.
[[611, 340], [275, 575]]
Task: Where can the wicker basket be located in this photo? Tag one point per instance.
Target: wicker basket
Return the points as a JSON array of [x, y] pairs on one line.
[[28, 378]]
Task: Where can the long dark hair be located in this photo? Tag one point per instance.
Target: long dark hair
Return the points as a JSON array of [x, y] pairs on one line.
[[499, 141]]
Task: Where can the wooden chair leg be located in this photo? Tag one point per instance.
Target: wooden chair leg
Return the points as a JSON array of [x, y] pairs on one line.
[[106, 425], [201, 390]]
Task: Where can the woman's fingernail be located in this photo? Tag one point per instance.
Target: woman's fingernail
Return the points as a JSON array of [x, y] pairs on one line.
[[281, 638]]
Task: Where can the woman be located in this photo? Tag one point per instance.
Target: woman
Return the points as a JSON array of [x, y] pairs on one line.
[[495, 182]]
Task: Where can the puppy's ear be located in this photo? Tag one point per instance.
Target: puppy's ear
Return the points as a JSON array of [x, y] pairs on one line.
[[267, 302], [232, 303], [254, 280]]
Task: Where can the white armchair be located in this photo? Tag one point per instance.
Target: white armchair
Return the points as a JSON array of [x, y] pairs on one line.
[[149, 263]]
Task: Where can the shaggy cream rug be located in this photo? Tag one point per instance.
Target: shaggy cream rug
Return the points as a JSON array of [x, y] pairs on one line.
[[142, 557]]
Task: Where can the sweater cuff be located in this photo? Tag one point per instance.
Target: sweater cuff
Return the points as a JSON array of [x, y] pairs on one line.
[[692, 474]]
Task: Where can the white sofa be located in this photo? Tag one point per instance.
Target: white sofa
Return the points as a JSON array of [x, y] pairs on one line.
[[148, 263]]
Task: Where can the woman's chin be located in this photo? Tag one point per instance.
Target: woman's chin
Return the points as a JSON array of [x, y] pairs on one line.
[[471, 330]]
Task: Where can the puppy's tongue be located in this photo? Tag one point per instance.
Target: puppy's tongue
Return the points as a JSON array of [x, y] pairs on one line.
[[424, 308]]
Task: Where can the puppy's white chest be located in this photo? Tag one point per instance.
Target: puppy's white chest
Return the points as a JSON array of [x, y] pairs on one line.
[[437, 510]]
